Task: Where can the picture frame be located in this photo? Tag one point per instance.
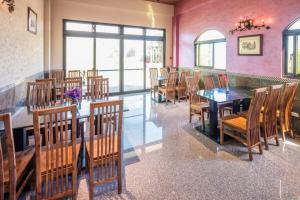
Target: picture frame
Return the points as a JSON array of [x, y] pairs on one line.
[[250, 45], [32, 21]]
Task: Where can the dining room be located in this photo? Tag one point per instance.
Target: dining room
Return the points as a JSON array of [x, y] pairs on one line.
[[149, 99]]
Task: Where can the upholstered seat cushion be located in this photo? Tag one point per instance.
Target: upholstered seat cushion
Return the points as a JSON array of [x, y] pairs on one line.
[[199, 106], [164, 89], [236, 122]]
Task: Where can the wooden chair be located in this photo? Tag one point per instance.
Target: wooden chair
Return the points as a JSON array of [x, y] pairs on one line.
[[269, 114], [285, 109], [89, 84], [169, 90], [69, 84], [181, 88], [246, 130], [209, 82], [193, 85], [59, 75], [74, 74], [164, 72], [104, 145], [224, 83], [51, 81], [38, 94], [198, 108], [98, 89], [57, 160], [153, 81], [92, 73], [223, 80], [15, 168]]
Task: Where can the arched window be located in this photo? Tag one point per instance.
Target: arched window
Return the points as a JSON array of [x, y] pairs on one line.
[[210, 50], [292, 49]]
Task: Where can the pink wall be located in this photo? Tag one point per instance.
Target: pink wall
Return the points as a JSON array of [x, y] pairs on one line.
[[197, 16]]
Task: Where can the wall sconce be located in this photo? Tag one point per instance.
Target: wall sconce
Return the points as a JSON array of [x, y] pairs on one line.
[[248, 24], [10, 4]]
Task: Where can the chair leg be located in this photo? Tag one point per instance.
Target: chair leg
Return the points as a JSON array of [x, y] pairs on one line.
[[119, 177], [190, 116], [250, 153], [292, 134], [260, 148], [222, 134], [203, 122], [266, 141], [277, 141], [283, 136]]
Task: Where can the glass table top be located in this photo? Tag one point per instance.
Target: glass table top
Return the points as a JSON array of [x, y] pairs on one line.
[[220, 95]]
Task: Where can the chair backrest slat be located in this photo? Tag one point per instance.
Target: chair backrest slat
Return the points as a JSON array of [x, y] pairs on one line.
[[92, 73], [209, 83], [98, 88], [10, 149], [164, 72], [56, 158], [253, 124]]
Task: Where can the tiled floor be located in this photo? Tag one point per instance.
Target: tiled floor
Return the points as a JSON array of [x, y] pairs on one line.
[[166, 158]]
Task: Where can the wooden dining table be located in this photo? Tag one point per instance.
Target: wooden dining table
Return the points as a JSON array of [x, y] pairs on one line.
[[22, 120], [239, 97]]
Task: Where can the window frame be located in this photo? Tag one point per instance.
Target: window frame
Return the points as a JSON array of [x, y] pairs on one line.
[[213, 42], [286, 34]]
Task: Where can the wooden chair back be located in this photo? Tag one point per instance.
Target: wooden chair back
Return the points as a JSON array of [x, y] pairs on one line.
[[59, 75], [10, 149], [223, 80], [105, 143], [286, 105], [164, 72], [171, 82], [74, 74], [271, 106], [253, 124], [98, 89], [153, 77], [69, 84], [193, 84], [51, 81], [92, 73], [182, 81], [56, 160], [209, 82], [38, 94], [89, 85]]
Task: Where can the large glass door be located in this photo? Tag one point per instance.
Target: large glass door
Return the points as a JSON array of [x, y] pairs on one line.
[[79, 53], [133, 65], [154, 57], [108, 61]]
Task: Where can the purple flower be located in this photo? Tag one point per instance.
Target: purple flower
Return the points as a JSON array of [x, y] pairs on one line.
[[74, 93]]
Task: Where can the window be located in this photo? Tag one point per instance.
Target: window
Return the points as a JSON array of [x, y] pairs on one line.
[[133, 31], [210, 49], [292, 49], [121, 53], [107, 29]]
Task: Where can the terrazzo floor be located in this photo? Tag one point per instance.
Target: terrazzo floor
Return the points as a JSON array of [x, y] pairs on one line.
[[166, 158]]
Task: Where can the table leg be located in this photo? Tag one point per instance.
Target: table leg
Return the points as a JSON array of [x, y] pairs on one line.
[[19, 139], [246, 104], [236, 106], [213, 119]]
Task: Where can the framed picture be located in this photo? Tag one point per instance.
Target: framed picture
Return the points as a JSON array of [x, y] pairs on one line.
[[251, 45], [32, 21]]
